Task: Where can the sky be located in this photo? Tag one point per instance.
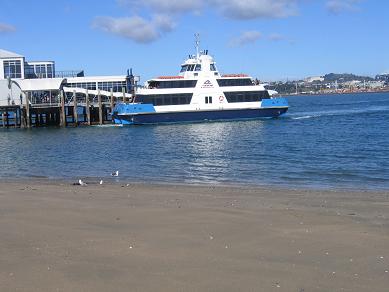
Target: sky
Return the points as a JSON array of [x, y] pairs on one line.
[[267, 39]]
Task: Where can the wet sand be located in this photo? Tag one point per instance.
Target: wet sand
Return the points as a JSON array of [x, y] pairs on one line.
[[112, 237]]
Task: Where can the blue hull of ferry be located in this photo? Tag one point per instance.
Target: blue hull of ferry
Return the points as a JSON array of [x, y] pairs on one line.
[[141, 114], [203, 116]]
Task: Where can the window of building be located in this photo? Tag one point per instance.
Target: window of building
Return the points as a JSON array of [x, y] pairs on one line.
[[116, 86], [29, 72], [85, 85], [12, 69], [50, 71], [248, 96]]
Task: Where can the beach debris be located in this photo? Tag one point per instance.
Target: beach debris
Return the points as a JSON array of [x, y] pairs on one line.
[[386, 271], [278, 285], [210, 237], [130, 246], [101, 182], [381, 257], [115, 173], [300, 252], [80, 183]]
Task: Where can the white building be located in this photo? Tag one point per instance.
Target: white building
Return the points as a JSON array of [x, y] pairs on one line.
[[314, 79], [40, 79]]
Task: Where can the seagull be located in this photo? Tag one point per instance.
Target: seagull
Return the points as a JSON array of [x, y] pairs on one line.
[[101, 182], [116, 173], [81, 183]]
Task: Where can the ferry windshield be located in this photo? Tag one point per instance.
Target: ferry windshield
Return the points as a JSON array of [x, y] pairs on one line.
[[213, 67], [184, 68]]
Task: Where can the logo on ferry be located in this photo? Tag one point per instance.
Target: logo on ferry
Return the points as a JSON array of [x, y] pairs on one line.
[[207, 84]]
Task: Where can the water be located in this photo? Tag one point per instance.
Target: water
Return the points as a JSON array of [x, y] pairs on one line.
[[324, 142]]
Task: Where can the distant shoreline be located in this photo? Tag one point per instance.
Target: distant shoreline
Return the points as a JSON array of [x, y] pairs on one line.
[[334, 93]]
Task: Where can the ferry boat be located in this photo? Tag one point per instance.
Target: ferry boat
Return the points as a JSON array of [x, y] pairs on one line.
[[199, 93]]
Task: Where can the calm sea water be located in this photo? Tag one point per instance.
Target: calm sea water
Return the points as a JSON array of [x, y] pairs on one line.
[[329, 142]]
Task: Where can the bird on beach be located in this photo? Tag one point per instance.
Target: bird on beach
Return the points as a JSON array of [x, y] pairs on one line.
[[116, 173], [101, 182], [81, 183]]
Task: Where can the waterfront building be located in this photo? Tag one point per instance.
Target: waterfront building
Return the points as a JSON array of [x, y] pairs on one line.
[[41, 80]]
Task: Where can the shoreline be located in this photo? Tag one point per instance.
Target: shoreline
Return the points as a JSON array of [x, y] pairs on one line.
[[56, 236], [123, 181]]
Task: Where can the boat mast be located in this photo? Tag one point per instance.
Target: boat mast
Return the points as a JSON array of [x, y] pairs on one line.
[[197, 45]]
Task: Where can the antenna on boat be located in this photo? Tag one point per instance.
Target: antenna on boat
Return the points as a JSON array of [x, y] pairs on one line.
[[197, 44]]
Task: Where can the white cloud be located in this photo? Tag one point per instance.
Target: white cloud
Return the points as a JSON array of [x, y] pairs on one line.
[[236, 9], [275, 37], [162, 12], [251, 9], [164, 6], [339, 6], [135, 28], [4, 28], [164, 22], [247, 37]]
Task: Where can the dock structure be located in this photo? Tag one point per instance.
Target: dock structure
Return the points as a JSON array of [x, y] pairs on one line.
[[82, 107], [34, 94]]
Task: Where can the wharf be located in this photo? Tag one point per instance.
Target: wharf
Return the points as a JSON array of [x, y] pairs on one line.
[[79, 109]]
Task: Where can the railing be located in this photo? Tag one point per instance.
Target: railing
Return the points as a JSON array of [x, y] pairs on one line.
[[69, 74]]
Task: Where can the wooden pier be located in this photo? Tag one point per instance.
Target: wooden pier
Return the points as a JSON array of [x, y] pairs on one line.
[[79, 109]]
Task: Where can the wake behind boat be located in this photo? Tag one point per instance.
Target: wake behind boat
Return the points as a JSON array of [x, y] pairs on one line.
[[199, 93]]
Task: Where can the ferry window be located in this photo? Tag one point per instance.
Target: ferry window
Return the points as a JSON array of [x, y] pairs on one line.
[[213, 67], [249, 96], [173, 84], [174, 100], [208, 99], [184, 68], [191, 67], [165, 99], [235, 82], [198, 67]]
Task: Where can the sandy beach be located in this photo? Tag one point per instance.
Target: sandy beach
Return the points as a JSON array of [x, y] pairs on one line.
[[55, 236]]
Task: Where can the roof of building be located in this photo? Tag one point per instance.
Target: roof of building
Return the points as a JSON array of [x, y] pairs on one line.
[[7, 54]]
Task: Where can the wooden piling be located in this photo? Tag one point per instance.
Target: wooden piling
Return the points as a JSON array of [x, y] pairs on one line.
[[62, 110], [3, 119], [75, 113], [112, 102], [7, 118], [87, 108], [28, 118], [101, 120]]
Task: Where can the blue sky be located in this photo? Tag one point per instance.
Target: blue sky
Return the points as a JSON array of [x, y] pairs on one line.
[[268, 39]]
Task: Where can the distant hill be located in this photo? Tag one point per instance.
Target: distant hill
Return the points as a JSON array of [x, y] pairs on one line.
[[332, 77]]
